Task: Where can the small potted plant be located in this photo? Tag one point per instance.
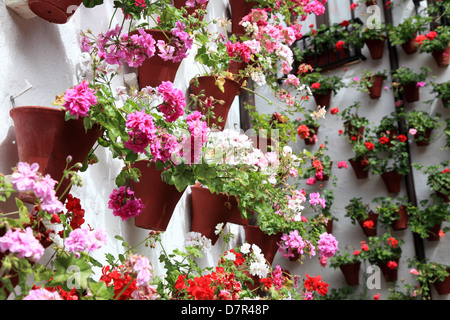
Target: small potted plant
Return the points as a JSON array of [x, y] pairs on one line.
[[308, 127], [430, 273], [363, 149], [370, 82], [392, 213], [374, 38], [360, 212], [322, 86], [436, 42], [385, 251], [442, 91], [349, 264], [404, 34], [321, 165], [438, 178], [426, 218], [354, 124], [424, 123], [409, 82]]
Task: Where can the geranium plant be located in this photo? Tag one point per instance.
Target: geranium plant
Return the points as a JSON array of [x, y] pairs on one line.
[[384, 249], [442, 91], [427, 272], [435, 40], [407, 29], [388, 208], [429, 214], [354, 124], [438, 176], [367, 79], [423, 123], [321, 83], [405, 75], [357, 210]]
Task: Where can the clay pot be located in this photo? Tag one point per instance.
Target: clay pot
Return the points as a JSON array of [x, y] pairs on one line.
[[55, 11], [402, 222], [239, 9], [433, 233], [235, 68], [155, 70], [442, 57], [323, 100], [443, 287], [207, 86], [376, 88], [360, 167], [351, 272], [267, 243], [392, 181], [159, 198], [45, 137], [411, 92], [208, 210], [425, 138], [390, 275], [329, 226], [376, 48], [310, 140], [409, 47], [370, 232]]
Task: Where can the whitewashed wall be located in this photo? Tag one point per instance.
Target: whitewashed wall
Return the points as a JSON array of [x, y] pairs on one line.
[[48, 57]]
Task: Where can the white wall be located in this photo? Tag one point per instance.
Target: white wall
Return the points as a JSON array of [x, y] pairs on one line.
[[47, 55]]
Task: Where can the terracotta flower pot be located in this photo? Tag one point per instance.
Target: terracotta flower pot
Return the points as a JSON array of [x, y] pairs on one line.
[[376, 48], [392, 181], [409, 47], [390, 275], [310, 140], [159, 198], [376, 88], [323, 100], [360, 167], [424, 138], [411, 92], [55, 11], [359, 131], [235, 68], [402, 222], [329, 226], [370, 232], [207, 86], [239, 9], [442, 57], [443, 287], [155, 70], [45, 137], [267, 243], [351, 272], [371, 2], [444, 197], [433, 233], [208, 210]]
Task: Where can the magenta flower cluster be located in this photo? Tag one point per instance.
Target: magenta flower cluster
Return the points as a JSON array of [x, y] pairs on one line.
[[199, 136], [26, 178], [293, 243], [173, 101], [179, 45], [23, 243], [79, 99], [124, 203]]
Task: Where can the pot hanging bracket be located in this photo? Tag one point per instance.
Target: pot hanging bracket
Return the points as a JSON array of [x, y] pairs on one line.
[[12, 98], [21, 8]]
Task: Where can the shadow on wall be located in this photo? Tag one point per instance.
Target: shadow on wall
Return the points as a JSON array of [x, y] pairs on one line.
[[8, 160]]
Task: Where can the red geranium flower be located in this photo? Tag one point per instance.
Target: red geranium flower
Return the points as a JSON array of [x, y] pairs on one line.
[[384, 140], [431, 35], [315, 85], [340, 45], [401, 138], [334, 110], [392, 265], [369, 145]]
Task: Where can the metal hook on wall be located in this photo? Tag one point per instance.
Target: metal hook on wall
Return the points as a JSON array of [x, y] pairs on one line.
[[12, 98]]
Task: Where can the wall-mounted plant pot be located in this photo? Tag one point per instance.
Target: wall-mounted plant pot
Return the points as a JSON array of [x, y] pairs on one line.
[[323, 99], [376, 48], [443, 287], [360, 166], [411, 92], [442, 57], [392, 181], [402, 222], [310, 140], [240, 9], [444, 197], [55, 11], [45, 137], [370, 232], [267, 243], [155, 70], [423, 139], [390, 275], [376, 88], [208, 87], [410, 47], [351, 273], [159, 198], [359, 132], [433, 233]]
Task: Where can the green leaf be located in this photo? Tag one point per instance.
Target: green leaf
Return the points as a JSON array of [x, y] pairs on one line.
[[71, 272]]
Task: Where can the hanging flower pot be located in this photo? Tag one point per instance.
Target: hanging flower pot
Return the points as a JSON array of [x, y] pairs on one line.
[[350, 129], [360, 167], [392, 181], [221, 101], [208, 210], [402, 222], [433, 233], [351, 272], [375, 89], [267, 243], [442, 57], [444, 197], [389, 270], [411, 92], [311, 140], [423, 139], [155, 70], [45, 137], [55, 11], [369, 226], [235, 68], [159, 198], [443, 287], [376, 48], [409, 47], [329, 225], [240, 9], [323, 100], [371, 2]]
